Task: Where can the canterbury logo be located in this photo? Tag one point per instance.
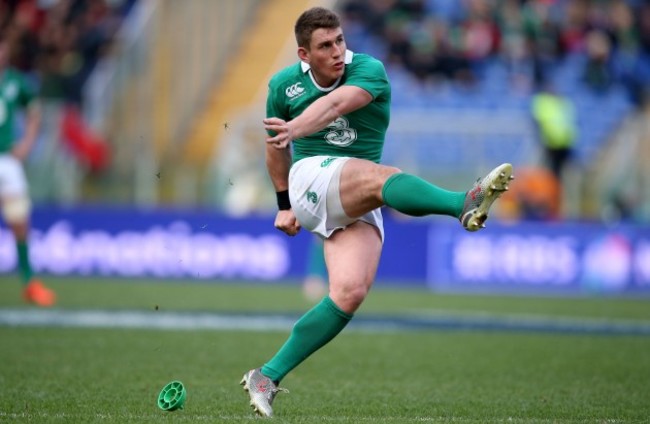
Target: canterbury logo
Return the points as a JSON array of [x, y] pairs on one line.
[[294, 90], [327, 162]]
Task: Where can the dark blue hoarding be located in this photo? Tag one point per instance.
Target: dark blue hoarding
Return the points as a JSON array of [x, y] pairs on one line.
[[564, 258], [178, 243], [550, 258]]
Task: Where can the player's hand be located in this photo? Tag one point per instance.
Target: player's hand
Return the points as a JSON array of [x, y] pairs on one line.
[[286, 222], [283, 132]]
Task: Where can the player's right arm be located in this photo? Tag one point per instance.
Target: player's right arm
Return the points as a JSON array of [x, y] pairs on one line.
[[366, 80], [278, 163], [318, 115]]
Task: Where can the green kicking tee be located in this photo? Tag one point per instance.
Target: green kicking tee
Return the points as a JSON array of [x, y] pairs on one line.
[[358, 134], [14, 94]]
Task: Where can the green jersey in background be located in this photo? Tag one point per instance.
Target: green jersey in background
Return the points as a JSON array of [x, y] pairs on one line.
[[14, 94]]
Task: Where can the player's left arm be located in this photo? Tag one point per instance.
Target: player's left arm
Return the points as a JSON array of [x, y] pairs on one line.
[[32, 127], [318, 115]]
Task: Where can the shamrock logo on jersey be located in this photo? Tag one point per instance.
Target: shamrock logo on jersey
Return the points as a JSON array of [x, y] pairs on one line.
[[339, 133]]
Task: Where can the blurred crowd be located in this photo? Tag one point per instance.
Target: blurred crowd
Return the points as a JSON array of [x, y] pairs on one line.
[[59, 42], [455, 40]]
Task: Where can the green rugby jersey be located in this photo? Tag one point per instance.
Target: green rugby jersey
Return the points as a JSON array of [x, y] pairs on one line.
[[358, 134], [14, 94]]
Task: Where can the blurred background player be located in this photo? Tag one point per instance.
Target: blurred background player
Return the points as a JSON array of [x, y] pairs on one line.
[[17, 96], [314, 286]]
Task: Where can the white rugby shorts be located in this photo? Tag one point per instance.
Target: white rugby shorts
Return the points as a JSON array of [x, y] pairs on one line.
[[12, 177], [315, 197]]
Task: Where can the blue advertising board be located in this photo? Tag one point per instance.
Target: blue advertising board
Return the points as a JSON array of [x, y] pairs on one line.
[[526, 257], [561, 258], [186, 243]]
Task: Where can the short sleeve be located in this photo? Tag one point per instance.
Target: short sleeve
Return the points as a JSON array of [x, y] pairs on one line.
[[274, 105], [368, 73]]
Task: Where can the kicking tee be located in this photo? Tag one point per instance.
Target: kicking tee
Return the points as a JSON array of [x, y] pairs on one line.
[[358, 134], [14, 94]]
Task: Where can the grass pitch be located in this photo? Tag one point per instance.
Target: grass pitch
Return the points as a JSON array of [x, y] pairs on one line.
[[88, 375]]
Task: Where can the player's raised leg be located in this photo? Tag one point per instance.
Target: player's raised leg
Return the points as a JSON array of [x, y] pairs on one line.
[[485, 191], [366, 185]]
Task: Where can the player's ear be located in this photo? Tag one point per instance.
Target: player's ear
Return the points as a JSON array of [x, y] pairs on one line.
[[303, 54]]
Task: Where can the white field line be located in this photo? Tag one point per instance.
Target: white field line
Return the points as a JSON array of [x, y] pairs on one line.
[[169, 320]]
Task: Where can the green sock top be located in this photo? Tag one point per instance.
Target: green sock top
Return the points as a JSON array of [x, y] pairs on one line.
[[327, 301], [313, 330], [414, 196]]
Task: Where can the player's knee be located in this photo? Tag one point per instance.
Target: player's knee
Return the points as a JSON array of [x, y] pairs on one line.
[[349, 297], [16, 209], [385, 172], [357, 296]]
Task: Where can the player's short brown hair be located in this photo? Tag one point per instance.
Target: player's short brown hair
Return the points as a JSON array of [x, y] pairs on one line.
[[311, 20]]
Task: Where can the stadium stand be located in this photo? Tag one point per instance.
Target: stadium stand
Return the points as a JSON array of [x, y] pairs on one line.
[[465, 67], [241, 80], [465, 76], [58, 45]]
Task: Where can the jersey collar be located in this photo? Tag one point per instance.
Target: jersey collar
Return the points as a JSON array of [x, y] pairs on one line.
[[306, 68]]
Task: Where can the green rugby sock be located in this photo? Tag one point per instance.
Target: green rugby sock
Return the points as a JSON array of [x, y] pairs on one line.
[[24, 266], [414, 196], [314, 330]]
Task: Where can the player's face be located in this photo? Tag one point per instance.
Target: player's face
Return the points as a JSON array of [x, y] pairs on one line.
[[326, 55]]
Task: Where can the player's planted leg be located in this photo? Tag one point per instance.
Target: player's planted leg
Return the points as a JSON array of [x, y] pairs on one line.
[[261, 390]]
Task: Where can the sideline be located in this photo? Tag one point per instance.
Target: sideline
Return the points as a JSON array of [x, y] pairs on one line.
[[178, 320]]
